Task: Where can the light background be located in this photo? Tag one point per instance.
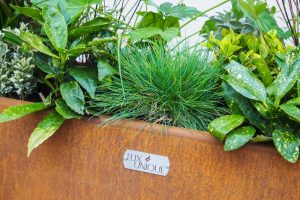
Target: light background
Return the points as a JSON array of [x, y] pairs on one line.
[[201, 5]]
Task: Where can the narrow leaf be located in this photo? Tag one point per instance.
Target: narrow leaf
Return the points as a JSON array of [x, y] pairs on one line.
[[45, 129], [32, 12], [16, 112], [286, 80], [36, 42]]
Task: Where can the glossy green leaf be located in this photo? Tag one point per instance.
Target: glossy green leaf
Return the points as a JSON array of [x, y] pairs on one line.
[[243, 106], [16, 112], [220, 127], [63, 109], [32, 12], [37, 43], [45, 129], [286, 80], [43, 62], [78, 50], [245, 82], [286, 144], [263, 70], [238, 137], [291, 110], [104, 70], [87, 78], [92, 26], [73, 96], [55, 27]]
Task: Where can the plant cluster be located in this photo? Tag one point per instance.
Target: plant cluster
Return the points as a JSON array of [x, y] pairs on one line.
[[85, 58], [17, 68]]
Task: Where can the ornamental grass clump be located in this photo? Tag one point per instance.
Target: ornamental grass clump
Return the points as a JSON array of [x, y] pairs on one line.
[[159, 86]]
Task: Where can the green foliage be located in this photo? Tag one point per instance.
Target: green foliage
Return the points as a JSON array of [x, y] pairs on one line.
[[73, 96], [257, 53], [17, 112], [158, 86], [263, 109], [45, 129], [164, 24], [17, 68]]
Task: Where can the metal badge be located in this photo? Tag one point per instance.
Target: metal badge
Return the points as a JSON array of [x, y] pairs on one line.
[[145, 162]]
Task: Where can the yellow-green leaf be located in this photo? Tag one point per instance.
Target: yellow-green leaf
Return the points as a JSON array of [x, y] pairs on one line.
[[223, 125], [45, 129], [286, 144], [16, 112], [239, 137]]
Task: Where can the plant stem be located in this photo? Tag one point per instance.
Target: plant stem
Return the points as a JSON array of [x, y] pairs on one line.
[[203, 13]]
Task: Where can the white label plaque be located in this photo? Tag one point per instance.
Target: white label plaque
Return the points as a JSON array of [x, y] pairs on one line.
[[145, 162]]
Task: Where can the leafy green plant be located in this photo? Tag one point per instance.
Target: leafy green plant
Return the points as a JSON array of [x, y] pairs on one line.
[[261, 113], [259, 53], [17, 68], [159, 86], [163, 24], [64, 40]]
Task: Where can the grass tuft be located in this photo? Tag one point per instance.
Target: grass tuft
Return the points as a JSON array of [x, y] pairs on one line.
[[159, 86]]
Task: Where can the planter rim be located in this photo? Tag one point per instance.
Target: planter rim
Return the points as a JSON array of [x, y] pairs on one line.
[[141, 126]]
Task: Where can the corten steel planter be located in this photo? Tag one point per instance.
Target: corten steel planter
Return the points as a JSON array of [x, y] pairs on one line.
[[83, 161]]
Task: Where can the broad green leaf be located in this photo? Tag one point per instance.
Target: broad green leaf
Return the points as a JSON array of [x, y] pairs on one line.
[[73, 96], [45, 129], [36, 42], [87, 78], [245, 82], [286, 80], [144, 33], [150, 19], [32, 12], [16, 112], [247, 8], [235, 9], [74, 8], [170, 33], [92, 26], [287, 144], [243, 106], [239, 137], [43, 62], [63, 109], [104, 70], [55, 27], [223, 125], [267, 22], [178, 11]]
